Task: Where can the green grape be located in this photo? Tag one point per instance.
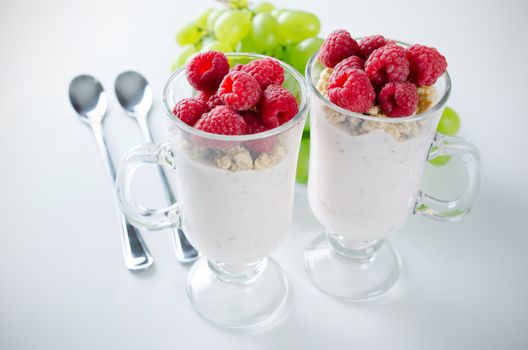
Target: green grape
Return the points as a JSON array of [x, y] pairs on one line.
[[247, 45], [288, 49], [301, 53], [213, 16], [264, 7], [449, 125], [295, 26], [449, 122], [207, 39], [217, 45], [232, 26], [265, 31], [277, 12], [278, 52], [188, 34], [238, 4], [248, 13], [185, 53], [303, 162], [440, 160], [201, 20]]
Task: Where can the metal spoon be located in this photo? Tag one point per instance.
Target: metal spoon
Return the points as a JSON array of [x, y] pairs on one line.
[[135, 96], [88, 98]]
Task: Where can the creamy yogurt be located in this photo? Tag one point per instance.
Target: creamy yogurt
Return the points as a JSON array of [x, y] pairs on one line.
[[363, 185], [235, 217]]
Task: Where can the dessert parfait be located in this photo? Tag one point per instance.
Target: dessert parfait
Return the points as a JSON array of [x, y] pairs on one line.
[[376, 104], [381, 151], [229, 190], [235, 122]]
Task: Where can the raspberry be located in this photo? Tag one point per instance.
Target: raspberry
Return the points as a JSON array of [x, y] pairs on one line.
[[351, 89], [387, 63], [254, 122], [189, 110], [370, 43], [426, 65], [210, 100], [352, 62], [398, 99], [202, 96], [239, 91], [277, 106], [254, 126], [206, 70], [336, 47], [222, 120], [214, 101], [266, 71]]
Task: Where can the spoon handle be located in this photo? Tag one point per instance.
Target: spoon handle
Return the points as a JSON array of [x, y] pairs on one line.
[[136, 253], [185, 252]]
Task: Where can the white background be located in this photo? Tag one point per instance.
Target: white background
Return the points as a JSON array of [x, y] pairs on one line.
[[62, 281]]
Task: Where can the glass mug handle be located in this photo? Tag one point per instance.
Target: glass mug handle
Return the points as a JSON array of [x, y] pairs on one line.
[[151, 219], [454, 209]]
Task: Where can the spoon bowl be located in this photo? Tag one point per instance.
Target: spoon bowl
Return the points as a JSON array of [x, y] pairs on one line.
[[133, 93], [88, 98]]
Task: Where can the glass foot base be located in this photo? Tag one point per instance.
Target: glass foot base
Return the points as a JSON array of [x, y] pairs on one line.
[[255, 304], [351, 277]]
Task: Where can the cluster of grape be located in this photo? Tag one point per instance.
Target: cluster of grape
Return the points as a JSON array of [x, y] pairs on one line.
[[288, 35]]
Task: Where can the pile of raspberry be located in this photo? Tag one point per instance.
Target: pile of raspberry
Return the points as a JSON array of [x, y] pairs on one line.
[[245, 99], [377, 71]]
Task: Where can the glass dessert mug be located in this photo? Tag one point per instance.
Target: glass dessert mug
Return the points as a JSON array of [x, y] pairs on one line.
[[235, 199], [365, 176]]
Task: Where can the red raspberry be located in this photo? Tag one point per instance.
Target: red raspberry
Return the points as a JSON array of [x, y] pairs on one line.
[[398, 99], [254, 122], [370, 43], [254, 126], [239, 91], [266, 71], [214, 101], [336, 47], [426, 65], [351, 89], [352, 62], [202, 96], [386, 64], [222, 120], [210, 100], [189, 110], [277, 106], [206, 70], [237, 68]]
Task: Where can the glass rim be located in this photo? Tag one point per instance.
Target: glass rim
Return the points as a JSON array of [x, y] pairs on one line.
[[430, 112], [303, 105]]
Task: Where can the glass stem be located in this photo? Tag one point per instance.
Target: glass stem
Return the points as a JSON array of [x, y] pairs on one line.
[[361, 250], [238, 274]]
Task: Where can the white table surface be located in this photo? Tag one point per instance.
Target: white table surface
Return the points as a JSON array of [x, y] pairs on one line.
[[62, 281]]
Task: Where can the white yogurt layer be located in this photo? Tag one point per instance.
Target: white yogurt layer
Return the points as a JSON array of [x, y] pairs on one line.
[[363, 186], [235, 217]]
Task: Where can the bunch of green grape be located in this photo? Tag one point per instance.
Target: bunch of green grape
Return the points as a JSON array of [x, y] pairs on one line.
[[288, 35]]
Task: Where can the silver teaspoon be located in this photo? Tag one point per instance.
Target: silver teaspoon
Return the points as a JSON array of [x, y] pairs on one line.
[[135, 96], [88, 98]]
